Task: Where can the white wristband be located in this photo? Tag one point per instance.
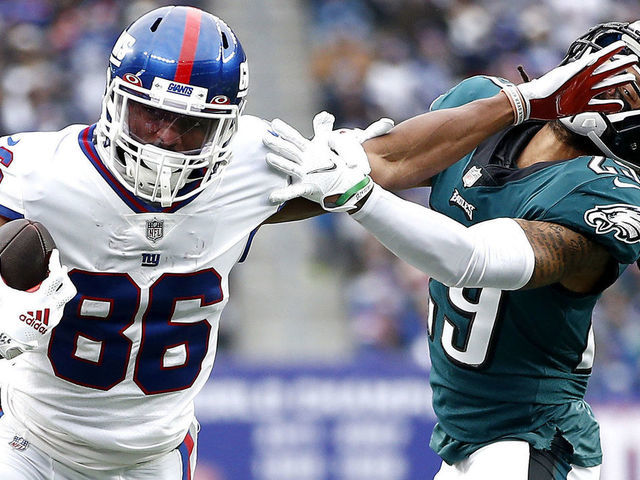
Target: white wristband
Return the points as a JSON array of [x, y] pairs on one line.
[[518, 103]]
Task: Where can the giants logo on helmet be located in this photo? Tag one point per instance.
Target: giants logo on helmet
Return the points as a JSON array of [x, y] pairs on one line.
[[243, 85], [180, 89]]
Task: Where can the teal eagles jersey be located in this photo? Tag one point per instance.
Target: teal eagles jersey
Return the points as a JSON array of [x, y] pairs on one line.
[[515, 364]]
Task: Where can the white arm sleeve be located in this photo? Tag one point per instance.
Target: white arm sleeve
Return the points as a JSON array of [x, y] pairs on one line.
[[495, 253]]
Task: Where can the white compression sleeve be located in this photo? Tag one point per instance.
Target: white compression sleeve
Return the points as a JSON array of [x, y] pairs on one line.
[[495, 253]]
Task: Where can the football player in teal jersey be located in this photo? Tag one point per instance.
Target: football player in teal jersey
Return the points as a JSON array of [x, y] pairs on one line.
[[526, 229]]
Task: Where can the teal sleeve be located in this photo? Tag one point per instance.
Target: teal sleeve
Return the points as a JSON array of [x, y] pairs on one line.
[[468, 90], [597, 209]]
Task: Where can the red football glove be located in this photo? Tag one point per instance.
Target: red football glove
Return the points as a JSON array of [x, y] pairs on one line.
[[571, 89]]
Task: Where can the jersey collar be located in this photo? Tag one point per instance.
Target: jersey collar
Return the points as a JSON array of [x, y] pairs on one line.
[[138, 205]]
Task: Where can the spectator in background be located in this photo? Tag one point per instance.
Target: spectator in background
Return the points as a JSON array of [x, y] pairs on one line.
[[49, 47]]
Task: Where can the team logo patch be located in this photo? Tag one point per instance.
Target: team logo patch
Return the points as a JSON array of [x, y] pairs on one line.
[[471, 177], [457, 200], [19, 443], [622, 219], [155, 229], [150, 259], [38, 320], [180, 89]]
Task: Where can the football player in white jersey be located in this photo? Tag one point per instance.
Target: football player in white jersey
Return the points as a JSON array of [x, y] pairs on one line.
[[149, 214], [149, 211]]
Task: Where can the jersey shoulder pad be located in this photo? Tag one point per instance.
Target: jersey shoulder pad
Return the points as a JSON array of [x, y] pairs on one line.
[[470, 89], [36, 147], [249, 153], [248, 138], [26, 156], [602, 201]]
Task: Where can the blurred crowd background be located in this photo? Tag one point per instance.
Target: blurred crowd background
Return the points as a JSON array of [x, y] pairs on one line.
[[366, 59]]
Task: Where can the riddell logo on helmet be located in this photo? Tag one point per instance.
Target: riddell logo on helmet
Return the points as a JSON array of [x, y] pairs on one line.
[[180, 89], [39, 320]]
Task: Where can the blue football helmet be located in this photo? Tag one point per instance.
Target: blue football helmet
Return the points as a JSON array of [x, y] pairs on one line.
[[176, 86], [616, 135]]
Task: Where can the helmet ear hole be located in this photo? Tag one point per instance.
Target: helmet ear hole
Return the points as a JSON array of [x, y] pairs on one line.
[[225, 41], [155, 25]]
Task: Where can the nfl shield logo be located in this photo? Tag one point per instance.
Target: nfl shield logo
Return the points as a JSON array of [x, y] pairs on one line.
[[19, 443], [471, 176], [155, 229]]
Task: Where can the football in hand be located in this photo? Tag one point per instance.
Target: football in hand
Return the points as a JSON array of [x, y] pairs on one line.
[[25, 248]]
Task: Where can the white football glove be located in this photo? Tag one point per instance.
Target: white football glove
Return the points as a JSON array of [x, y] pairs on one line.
[[570, 89], [26, 318], [376, 129], [333, 164]]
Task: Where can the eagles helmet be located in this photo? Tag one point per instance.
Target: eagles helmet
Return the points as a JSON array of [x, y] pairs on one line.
[[617, 135], [176, 85]]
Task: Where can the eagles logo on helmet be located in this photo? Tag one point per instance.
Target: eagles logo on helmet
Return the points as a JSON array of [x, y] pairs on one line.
[[616, 135], [163, 131]]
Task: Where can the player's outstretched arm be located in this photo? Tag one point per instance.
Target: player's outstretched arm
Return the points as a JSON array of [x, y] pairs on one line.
[[422, 146], [502, 253], [417, 149]]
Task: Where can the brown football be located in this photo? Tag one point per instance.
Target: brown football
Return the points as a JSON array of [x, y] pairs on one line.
[[25, 248]]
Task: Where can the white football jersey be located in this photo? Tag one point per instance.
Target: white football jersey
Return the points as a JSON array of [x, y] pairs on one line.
[[116, 384]]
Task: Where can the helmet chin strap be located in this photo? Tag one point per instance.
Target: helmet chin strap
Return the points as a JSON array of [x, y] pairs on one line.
[[585, 124], [153, 181], [592, 126]]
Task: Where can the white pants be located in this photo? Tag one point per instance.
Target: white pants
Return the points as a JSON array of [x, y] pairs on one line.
[[20, 461], [508, 460]]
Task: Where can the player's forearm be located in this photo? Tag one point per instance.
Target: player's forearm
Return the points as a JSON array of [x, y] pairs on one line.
[[423, 146], [492, 254]]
